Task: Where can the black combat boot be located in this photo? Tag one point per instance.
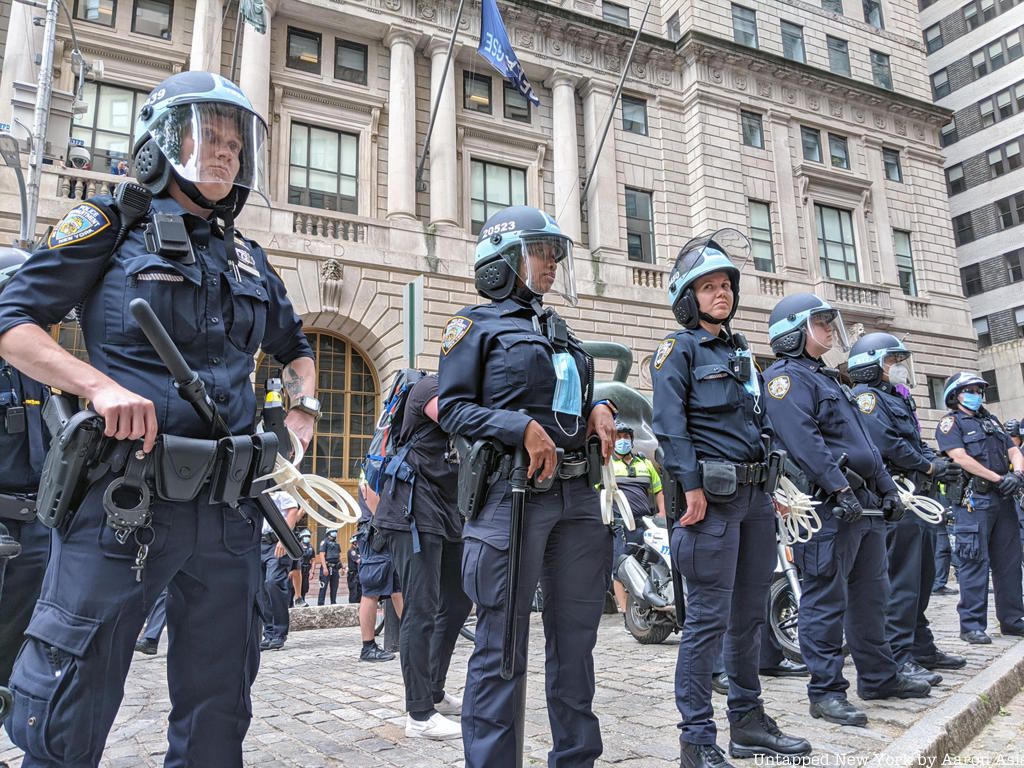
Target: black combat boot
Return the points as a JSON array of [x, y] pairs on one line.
[[839, 711], [757, 734], [702, 756], [913, 669], [942, 660]]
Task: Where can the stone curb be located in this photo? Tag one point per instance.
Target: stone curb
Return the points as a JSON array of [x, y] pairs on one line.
[[962, 716], [323, 617]]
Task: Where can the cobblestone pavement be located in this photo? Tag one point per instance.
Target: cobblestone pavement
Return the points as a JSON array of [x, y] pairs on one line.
[[1001, 743], [317, 706]]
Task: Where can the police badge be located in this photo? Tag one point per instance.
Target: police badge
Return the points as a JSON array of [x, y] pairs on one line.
[[456, 328], [664, 349], [779, 387]]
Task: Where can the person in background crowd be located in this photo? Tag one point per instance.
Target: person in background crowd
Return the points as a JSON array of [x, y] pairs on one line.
[[275, 593], [355, 591], [149, 641], [330, 567]]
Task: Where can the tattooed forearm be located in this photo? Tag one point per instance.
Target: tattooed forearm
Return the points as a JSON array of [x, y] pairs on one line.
[[299, 378]]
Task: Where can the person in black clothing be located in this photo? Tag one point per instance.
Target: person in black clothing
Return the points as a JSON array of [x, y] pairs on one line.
[[423, 529], [330, 567], [355, 589], [305, 565]]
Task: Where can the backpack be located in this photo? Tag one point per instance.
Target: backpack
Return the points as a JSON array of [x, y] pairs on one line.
[[384, 444]]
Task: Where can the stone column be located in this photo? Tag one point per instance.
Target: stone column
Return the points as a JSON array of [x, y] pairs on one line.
[[19, 63], [402, 124], [254, 64], [206, 36], [444, 183], [565, 154], [785, 187], [603, 215], [877, 201]]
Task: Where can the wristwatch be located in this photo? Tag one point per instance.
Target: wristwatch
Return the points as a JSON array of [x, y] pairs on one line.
[[307, 404]]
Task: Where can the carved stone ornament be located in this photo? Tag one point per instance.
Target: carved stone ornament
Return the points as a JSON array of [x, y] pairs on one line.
[[880, 121], [331, 283], [764, 89], [813, 102], [425, 10], [557, 47], [919, 131], [664, 77], [585, 53], [901, 128], [639, 70], [526, 40], [789, 95], [393, 5], [835, 108], [716, 75], [613, 62], [858, 115], [741, 83]]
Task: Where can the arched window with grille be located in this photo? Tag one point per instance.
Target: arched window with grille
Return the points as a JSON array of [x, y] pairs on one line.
[[69, 335]]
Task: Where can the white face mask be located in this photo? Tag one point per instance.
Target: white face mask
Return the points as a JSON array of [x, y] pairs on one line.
[[899, 374]]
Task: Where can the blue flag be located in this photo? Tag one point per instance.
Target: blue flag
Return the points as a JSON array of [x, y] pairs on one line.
[[495, 47]]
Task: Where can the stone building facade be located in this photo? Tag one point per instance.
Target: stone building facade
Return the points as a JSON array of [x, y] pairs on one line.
[[976, 66], [808, 127]]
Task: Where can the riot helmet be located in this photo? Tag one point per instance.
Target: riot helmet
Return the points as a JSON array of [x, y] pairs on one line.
[[957, 383], [11, 260], [525, 244], [621, 426], [1012, 427], [711, 252], [875, 354], [201, 129], [803, 315]]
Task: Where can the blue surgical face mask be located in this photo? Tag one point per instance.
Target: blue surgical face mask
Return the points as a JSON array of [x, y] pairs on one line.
[[971, 401], [623, 446], [333, 536], [568, 397]]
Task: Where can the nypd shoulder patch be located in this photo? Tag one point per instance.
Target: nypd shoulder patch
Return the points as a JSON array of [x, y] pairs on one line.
[[80, 223], [779, 387], [946, 424], [866, 401], [454, 332], [664, 350]]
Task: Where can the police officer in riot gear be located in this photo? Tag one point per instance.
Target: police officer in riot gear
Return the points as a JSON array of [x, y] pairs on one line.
[[511, 371], [883, 370], [199, 150], [842, 568], [330, 567], [709, 419], [23, 441], [1013, 429], [986, 526]]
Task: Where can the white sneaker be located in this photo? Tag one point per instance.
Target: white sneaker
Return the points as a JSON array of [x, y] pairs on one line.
[[437, 726], [449, 705]]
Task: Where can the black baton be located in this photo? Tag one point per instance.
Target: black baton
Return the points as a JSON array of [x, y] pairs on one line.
[[517, 481], [192, 390]]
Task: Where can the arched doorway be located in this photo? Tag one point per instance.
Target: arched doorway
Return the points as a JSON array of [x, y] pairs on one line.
[[348, 390]]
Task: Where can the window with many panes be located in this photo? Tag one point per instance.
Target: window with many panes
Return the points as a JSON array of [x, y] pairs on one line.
[[634, 115], [672, 27], [933, 38], [838, 56], [955, 179], [761, 236], [881, 71], [493, 187], [323, 169], [963, 229], [793, 41], [616, 14], [752, 128], [948, 133], [940, 84], [891, 163], [904, 262], [1011, 210], [998, 53], [1004, 159], [970, 280], [153, 18], [476, 92], [810, 139], [350, 62], [981, 330], [744, 25], [639, 225], [992, 390], [106, 127], [303, 50], [517, 106], [832, 6], [1015, 265], [838, 151], [97, 11], [873, 13], [836, 249], [1001, 105]]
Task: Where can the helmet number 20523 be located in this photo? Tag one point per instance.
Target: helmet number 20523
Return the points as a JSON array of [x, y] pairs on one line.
[[505, 226]]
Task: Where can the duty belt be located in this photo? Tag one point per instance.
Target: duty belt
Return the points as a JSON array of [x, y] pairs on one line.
[[751, 474], [572, 465], [14, 506], [981, 485]]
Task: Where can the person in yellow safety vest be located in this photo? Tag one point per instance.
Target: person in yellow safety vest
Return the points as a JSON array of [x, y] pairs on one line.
[[639, 480]]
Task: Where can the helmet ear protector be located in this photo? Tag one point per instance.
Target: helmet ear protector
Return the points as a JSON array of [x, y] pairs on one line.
[[495, 279]]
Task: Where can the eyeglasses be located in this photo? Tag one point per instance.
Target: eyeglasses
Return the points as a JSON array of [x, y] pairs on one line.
[[974, 390]]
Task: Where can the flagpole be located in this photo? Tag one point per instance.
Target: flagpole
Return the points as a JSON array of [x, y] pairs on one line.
[[437, 100], [238, 34], [611, 112]]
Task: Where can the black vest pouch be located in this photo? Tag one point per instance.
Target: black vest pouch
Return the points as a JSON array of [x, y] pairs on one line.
[[718, 479], [183, 464]]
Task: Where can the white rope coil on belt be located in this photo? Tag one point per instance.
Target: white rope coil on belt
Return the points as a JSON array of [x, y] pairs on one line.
[[612, 496], [322, 499], [801, 521], [927, 509]]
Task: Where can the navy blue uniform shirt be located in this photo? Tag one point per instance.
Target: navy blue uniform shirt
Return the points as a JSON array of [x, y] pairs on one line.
[[219, 311], [980, 434], [22, 453], [889, 418], [494, 363], [816, 423], [701, 410]]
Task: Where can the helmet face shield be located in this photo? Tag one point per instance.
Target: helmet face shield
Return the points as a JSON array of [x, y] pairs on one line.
[[825, 328], [730, 243], [899, 367], [544, 263], [214, 144]]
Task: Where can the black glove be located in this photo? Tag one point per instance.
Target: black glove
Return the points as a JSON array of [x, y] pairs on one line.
[[940, 467], [1010, 484], [892, 507], [847, 508], [954, 474]]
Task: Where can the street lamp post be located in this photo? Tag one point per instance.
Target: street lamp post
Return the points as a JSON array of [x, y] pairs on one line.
[[44, 92], [10, 152]]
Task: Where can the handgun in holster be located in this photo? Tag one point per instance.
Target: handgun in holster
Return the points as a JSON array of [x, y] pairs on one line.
[[74, 448], [776, 469], [477, 462]]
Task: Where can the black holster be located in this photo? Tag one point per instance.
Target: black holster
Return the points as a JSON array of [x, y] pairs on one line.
[[74, 450], [478, 461], [20, 507]]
